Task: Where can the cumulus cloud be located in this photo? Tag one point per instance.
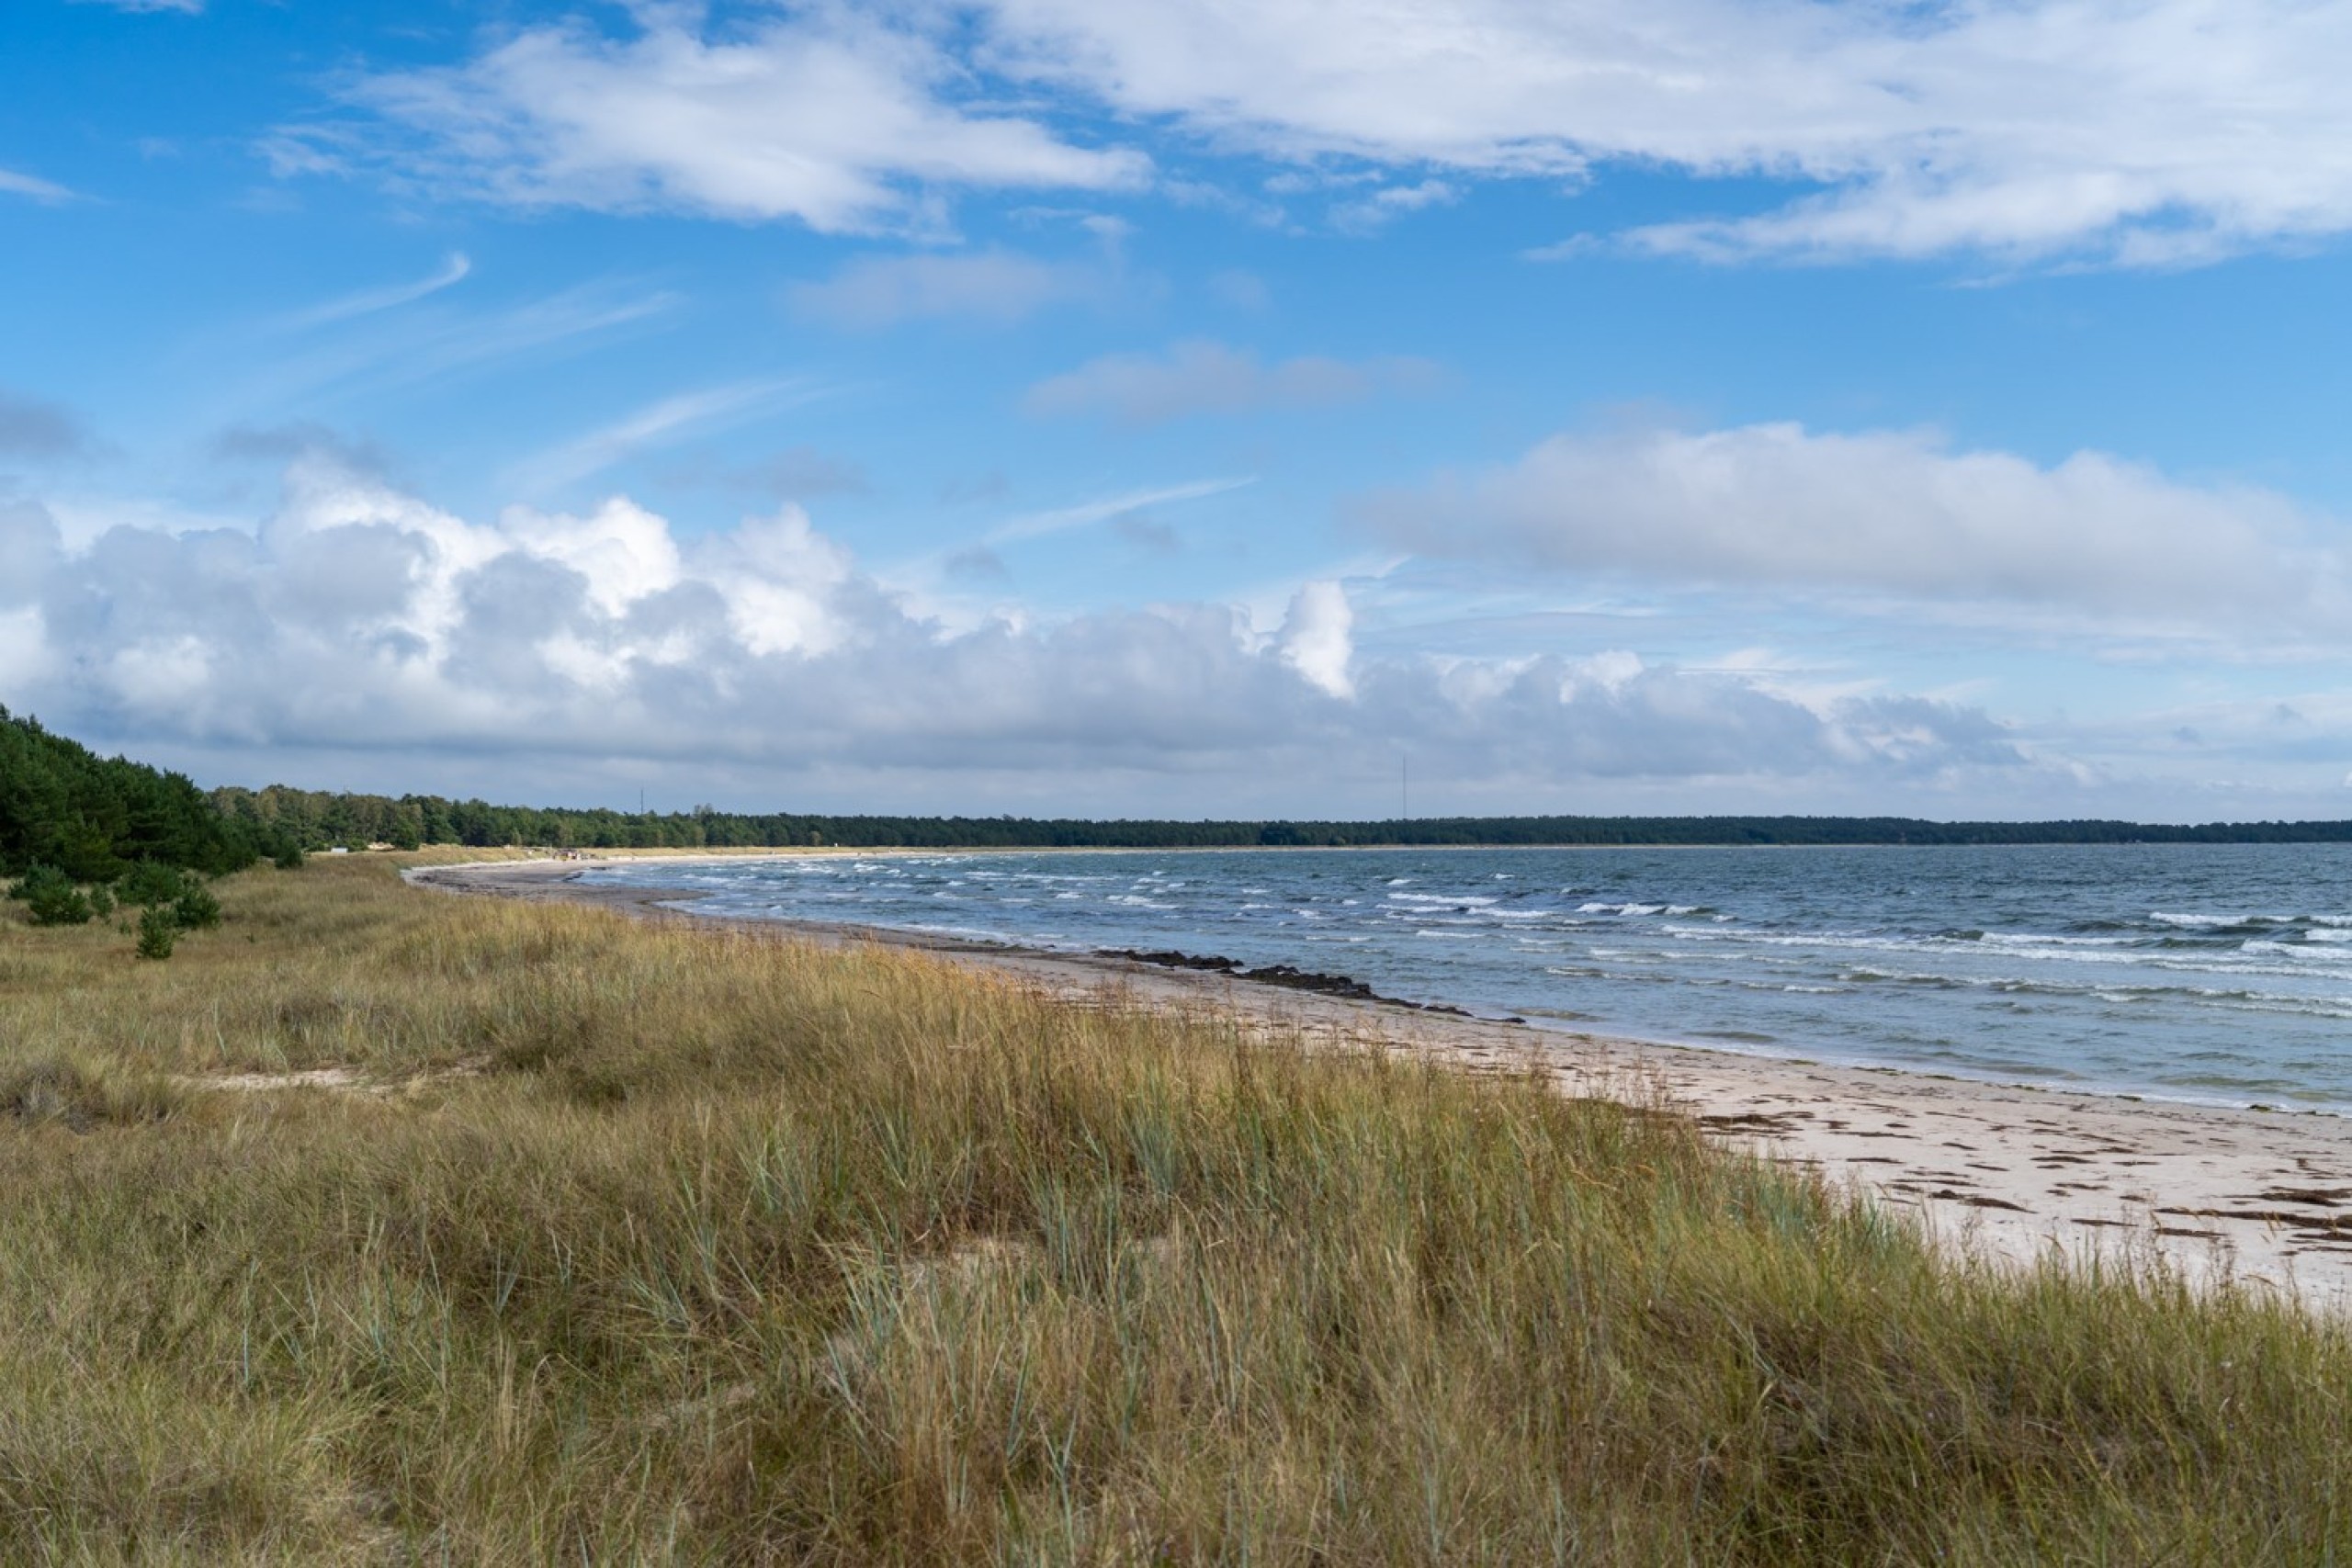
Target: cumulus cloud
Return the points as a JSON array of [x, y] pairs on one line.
[[1315, 638], [996, 286], [1210, 378], [825, 116], [1893, 513], [2160, 131], [29, 546], [359, 619]]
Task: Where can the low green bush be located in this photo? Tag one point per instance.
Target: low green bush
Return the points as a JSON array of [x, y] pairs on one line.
[[51, 898], [196, 909], [151, 883]]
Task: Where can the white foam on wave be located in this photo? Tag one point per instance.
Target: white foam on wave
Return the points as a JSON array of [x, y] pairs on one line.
[[2303, 949], [2029, 939], [2205, 922]]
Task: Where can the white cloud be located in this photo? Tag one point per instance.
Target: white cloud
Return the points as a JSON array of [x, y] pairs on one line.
[[1372, 213], [1315, 638], [828, 117], [39, 189], [992, 286], [1900, 514], [2139, 133], [30, 542], [359, 620], [1061, 519], [2146, 131], [372, 354], [453, 270], [1209, 378], [657, 423]]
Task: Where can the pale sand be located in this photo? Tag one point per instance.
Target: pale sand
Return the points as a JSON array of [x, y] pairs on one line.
[[2011, 1172]]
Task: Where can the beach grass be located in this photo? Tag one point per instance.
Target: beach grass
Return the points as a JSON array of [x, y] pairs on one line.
[[381, 1225]]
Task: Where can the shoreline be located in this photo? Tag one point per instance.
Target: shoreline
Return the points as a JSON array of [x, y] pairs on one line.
[[2008, 1170]]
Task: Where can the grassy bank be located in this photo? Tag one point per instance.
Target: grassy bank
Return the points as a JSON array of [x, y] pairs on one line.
[[639, 1244]]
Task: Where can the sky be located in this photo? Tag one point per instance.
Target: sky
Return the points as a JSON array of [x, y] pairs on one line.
[[1253, 408]]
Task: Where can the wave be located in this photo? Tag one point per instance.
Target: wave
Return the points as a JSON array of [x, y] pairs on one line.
[[2034, 939], [2220, 922]]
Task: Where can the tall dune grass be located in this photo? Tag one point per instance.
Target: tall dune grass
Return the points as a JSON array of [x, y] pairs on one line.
[[658, 1244]]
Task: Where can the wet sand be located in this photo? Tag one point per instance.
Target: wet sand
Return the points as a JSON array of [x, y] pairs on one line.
[[2010, 1171]]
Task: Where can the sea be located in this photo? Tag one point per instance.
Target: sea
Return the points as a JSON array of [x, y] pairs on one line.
[[2218, 974]]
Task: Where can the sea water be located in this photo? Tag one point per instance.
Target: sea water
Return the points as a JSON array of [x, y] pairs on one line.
[[2218, 973]]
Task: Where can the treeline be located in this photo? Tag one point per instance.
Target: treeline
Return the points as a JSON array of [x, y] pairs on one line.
[[94, 819], [318, 820]]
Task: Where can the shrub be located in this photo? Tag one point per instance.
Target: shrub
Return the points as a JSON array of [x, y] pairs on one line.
[[196, 909], [151, 883], [157, 932], [101, 902], [52, 899]]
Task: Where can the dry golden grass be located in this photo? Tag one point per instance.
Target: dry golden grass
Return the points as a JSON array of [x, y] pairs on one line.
[[672, 1244]]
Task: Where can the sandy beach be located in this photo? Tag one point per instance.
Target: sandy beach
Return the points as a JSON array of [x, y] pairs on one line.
[[2010, 1171]]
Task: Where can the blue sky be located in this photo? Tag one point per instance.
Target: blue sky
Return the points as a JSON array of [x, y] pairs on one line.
[[1189, 407]]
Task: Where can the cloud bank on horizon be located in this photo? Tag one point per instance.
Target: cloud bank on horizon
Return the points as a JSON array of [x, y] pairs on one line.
[[1194, 407]]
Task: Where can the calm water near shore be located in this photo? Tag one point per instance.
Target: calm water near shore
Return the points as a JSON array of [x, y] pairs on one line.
[[2214, 973]]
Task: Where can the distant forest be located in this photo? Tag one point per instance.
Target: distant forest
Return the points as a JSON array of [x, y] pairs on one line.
[[94, 819], [320, 821]]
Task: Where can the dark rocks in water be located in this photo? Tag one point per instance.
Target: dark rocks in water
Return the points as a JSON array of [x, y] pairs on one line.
[[1171, 959], [1307, 980], [1296, 979]]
